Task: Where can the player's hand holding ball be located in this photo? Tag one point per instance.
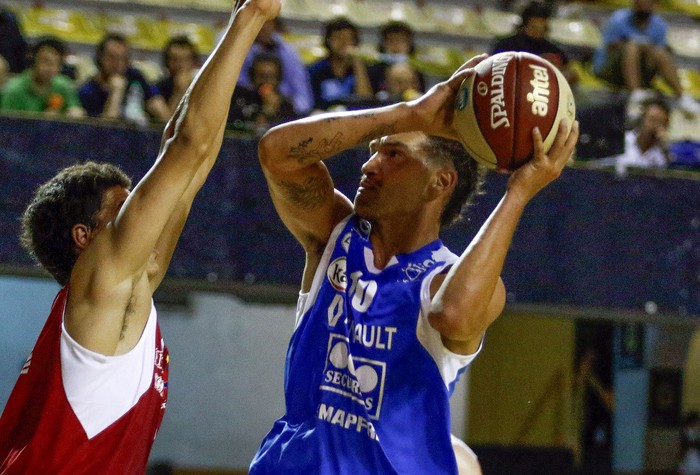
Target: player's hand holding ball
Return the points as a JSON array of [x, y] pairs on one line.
[[434, 111], [507, 96]]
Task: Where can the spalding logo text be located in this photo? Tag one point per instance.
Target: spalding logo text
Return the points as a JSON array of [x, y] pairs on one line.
[[499, 112]]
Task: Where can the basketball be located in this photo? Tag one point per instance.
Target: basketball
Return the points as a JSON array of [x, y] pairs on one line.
[[509, 95]]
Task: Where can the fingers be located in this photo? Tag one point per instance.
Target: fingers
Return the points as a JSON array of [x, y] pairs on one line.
[[473, 61], [563, 146], [538, 150], [572, 139], [562, 135], [467, 68], [565, 150]]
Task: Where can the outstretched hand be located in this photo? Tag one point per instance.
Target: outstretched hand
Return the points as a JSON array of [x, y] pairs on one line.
[[544, 168], [435, 108]]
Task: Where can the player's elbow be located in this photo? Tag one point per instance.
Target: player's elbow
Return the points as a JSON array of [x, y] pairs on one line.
[[469, 316], [269, 152], [455, 323], [190, 147], [194, 137]]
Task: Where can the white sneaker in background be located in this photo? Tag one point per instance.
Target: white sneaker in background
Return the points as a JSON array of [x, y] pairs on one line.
[[688, 105], [635, 101]]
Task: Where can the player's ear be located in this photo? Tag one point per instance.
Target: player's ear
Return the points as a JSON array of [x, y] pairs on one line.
[[81, 236], [445, 179]]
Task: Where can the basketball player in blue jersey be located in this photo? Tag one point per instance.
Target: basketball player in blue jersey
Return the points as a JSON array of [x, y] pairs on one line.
[[387, 316]]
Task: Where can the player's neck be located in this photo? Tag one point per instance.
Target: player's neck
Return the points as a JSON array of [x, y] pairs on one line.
[[401, 236]]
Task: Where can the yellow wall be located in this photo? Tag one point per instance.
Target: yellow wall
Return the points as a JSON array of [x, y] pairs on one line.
[[691, 377], [520, 385]]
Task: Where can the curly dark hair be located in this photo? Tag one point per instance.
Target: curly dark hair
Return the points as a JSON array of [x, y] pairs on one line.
[[73, 196], [470, 175]]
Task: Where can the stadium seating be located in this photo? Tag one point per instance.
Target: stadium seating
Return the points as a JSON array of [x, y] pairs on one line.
[[684, 41], [309, 47], [458, 20], [68, 25], [578, 32], [84, 66], [137, 29], [499, 23], [689, 7], [151, 70], [202, 36], [312, 10]]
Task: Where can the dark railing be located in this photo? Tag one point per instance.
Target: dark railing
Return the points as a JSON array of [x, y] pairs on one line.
[[590, 239]]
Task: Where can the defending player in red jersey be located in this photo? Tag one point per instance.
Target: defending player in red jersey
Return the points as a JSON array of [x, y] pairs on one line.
[[91, 396]]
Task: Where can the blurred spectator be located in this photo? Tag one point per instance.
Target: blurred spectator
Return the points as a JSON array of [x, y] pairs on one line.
[[181, 61], [401, 83], [261, 105], [42, 87], [634, 51], [531, 37], [690, 445], [295, 82], [646, 146], [341, 76], [396, 46], [13, 47], [119, 91]]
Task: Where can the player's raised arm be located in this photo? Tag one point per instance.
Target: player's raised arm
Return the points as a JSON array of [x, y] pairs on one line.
[[472, 294], [196, 139], [291, 154], [132, 244]]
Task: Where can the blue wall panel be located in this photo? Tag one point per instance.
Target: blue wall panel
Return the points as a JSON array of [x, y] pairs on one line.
[[589, 239]]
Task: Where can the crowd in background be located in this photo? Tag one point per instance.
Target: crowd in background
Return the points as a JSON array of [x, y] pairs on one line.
[[276, 86]]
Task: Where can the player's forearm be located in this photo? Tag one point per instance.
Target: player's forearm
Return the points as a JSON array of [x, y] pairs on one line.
[[205, 105], [464, 300], [295, 145]]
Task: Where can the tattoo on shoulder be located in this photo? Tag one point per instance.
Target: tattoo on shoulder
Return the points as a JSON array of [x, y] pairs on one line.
[[307, 195], [379, 131], [307, 150]]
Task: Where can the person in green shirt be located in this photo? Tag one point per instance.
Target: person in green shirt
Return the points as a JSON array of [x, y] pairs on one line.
[[41, 87]]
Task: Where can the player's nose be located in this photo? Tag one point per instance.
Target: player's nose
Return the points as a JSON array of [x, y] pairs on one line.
[[370, 166]]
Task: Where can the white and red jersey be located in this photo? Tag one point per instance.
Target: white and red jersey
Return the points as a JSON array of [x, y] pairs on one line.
[[73, 411]]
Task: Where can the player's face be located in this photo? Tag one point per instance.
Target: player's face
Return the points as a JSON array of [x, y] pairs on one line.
[[395, 179]]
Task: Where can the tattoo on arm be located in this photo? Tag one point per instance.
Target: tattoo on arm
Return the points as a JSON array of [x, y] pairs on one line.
[[379, 131], [307, 150], [307, 195]]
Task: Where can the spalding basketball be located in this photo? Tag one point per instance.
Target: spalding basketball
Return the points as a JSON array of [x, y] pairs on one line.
[[509, 95]]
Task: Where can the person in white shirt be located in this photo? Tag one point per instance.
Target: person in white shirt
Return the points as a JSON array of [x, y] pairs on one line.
[[646, 146]]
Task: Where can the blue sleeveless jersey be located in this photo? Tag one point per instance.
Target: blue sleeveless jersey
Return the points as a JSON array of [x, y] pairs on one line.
[[363, 394]]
